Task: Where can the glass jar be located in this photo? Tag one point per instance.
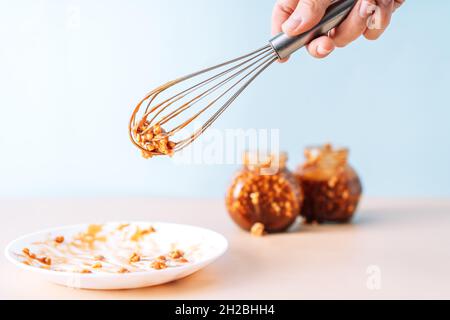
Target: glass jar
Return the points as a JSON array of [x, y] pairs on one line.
[[331, 187], [264, 193]]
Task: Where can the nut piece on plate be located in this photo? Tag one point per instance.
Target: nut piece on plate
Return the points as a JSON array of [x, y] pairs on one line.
[[176, 254], [59, 239], [135, 258], [28, 253], [44, 259], [158, 265], [123, 270]]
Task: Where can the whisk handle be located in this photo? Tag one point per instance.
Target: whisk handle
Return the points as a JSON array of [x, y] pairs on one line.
[[284, 45]]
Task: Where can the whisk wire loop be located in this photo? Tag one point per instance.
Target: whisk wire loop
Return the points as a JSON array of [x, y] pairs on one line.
[[224, 85]]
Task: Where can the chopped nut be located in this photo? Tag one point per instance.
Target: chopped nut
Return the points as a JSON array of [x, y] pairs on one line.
[[149, 136], [146, 155], [45, 260], [162, 258], [254, 196], [59, 239], [85, 271], [123, 270], [287, 205], [135, 257], [176, 254], [332, 182], [153, 140], [28, 253], [150, 146], [257, 229], [183, 260], [276, 207], [97, 265], [158, 265]]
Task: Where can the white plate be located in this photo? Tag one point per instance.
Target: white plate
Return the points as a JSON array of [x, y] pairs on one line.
[[210, 245]]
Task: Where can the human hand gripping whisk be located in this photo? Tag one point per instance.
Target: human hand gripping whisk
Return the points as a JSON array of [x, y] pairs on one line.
[[209, 92]]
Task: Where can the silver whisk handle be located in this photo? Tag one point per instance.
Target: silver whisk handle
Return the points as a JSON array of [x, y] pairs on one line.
[[284, 45]]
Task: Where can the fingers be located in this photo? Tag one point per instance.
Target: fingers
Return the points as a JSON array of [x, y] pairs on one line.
[[369, 18], [321, 47], [380, 19], [282, 10], [356, 23], [306, 15]]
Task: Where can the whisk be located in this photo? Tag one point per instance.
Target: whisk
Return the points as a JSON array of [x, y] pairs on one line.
[[216, 89]]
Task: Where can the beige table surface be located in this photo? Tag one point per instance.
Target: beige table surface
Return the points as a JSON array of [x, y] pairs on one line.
[[408, 242]]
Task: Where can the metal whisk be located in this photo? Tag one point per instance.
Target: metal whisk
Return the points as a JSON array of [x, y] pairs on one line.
[[216, 89]]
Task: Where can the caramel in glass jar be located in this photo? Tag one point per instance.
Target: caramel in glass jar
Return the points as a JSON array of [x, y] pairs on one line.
[[331, 187], [264, 192]]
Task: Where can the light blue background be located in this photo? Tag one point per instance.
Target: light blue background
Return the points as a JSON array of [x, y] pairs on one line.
[[67, 90]]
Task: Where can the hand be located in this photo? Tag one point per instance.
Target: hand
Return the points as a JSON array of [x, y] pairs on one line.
[[369, 18]]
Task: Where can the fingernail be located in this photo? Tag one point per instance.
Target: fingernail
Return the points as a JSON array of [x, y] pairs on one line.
[[292, 24], [332, 33], [372, 23], [366, 9], [386, 3], [322, 51]]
